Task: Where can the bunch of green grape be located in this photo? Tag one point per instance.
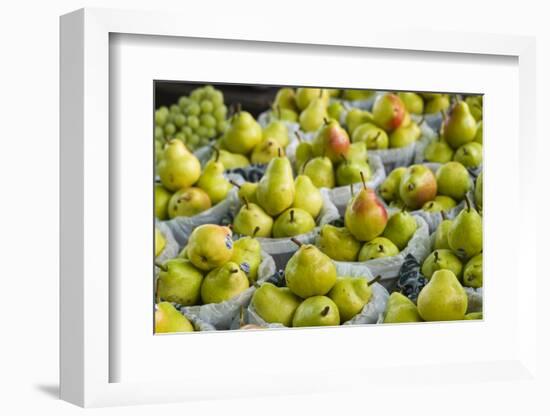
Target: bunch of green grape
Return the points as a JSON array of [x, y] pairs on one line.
[[195, 119]]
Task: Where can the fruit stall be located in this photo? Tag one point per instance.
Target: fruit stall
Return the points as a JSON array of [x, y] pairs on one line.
[[279, 207]]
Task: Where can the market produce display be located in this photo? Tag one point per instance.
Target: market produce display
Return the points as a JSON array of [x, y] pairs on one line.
[[299, 142]]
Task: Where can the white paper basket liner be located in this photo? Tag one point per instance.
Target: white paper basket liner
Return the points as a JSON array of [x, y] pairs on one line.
[[221, 315], [475, 299], [388, 267]]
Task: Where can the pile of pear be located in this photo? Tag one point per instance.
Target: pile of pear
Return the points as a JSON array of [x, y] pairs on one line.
[[314, 294], [369, 232], [211, 268], [417, 187], [185, 189], [279, 205], [461, 135]]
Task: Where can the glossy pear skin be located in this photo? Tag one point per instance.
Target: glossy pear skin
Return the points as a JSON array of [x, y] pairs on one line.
[[441, 240], [178, 168], [292, 222], [312, 118], [188, 202], [350, 294], [442, 259], [247, 253], [251, 216], [160, 242], [308, 197], [338, 243], [180, 283], [400, 309], [331, 141], [443, 298], [243, 135], [169, 319], [473, 272], [213, 182], [223, 283], [377, 248], [275, 304], [316, 311], [210, 246], [417, 186], [400, 228], [460, 128], [466, 233], [388, 111], [309, 272], [162, 198], [276, 190], [453, 180], [365, 215], [389, 190], [321, 172]]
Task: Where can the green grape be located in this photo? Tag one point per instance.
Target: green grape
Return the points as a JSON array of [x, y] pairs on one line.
[[161, 116], [179, 120], [222, 126], [217, 98], [206, 106], [181, 136], [202, 131], [220, 113], [187, 130], [197, 94], [211, 132], [175, 109], [169, 129], [209, 90], [159, 133], [208, 120], [193, 109], [204, 142], [193, 140], [193, 122], [183, 102]]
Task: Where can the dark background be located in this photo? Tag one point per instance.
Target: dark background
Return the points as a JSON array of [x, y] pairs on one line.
[[253, 98]]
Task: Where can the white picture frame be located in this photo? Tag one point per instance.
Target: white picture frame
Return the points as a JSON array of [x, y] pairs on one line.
[[87, 303]]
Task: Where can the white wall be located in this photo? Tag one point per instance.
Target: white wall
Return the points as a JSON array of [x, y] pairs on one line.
[[29, 165]]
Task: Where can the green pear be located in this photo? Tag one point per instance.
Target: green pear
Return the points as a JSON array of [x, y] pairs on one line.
[[441, 239], [232, 160], [443, 298], [169, 319], [438, 151], [473, 316], [389, 190], [400, 228], [441, 260], [357, 95], [437, 104], [400, 309], [469, 154], [374, 137], [265, 151], [275, 192], [466, 232], [277, 130], [404, 136], [320, 171], [243, 134], [247, 191], [417, 186], [453, 180], [475, 104], [275, 304], [179, 282], [285, 99], [188, 202], [316, 311], [388, 111], [335, 110], [160, 242], [349, 172], [223, 283], [312, 118], [183, 254], [308, 197], [337, 243], [377, 248], [358, 152], [365, 215], [460, 128], [357, 117], [309, 272], [350, 294], [331, 141], [213, 182], [478, 192], [292, 222], [162, 198], [414, 103], [209, 246], [446, 202], [305, 96], [252, 220], [473, 272], [479, 133], [247, 253], [432, 206], [304, 152], [284, 114], [178, 168]]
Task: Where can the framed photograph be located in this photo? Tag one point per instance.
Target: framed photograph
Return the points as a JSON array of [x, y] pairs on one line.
[[266, 214]]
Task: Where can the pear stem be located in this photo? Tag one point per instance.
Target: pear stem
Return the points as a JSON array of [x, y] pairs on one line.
[[232, 271], [235, 184], [344, 157], [256, 229], [325, 120], [377, 136], [291, 215], [468, 203], [457, 98], [380, 248], [279, 152], [320, 93], [363, 179], [351, 189], [375, 280], [436, 255], [245, 199], [304, 165], [297, 242], [216, 152], [239, 108], [298, 136], [161, 266], [443, 215], [325, 311], [421, 121]]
